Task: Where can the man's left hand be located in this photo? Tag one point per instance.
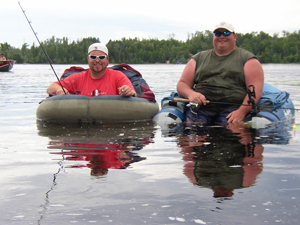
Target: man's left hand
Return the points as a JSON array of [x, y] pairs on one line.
[[125, 90]]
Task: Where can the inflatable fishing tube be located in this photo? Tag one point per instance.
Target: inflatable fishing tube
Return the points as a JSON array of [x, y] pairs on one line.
[[98, 109], [274, 106]]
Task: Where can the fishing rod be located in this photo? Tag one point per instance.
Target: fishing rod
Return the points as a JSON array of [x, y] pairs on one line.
[[228, 103], [251, 102], [48, 58]]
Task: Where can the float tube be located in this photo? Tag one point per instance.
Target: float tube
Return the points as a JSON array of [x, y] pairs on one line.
[[97, 109], [274, 107], [102, 108]]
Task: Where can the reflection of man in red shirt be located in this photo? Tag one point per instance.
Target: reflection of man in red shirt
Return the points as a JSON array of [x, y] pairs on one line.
[[101, 157]]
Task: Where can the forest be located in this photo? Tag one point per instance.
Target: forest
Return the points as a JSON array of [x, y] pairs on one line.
[[269, 49]]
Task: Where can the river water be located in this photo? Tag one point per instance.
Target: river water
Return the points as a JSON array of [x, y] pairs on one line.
[[140, 173]]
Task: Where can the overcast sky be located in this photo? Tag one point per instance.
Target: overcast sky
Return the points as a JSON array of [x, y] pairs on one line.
[[115, 19]]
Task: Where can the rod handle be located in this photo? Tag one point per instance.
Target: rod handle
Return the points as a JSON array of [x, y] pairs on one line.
[[185, 100]]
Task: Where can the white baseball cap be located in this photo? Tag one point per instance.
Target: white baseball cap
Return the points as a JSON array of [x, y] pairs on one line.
[[225, 25], [98, 47]]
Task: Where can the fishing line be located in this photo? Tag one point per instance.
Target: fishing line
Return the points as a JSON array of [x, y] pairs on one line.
[[48, 58]]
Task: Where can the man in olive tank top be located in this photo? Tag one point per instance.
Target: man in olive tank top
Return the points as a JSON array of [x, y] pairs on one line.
[[221, 75]]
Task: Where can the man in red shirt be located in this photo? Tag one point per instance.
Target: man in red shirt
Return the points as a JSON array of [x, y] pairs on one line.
[[97, 80]]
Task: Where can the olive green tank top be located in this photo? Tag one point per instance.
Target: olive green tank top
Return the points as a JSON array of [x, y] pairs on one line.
[[221, 78]]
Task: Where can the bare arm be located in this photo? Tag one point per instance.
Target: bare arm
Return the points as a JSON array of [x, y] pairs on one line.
[[254, 75], [56, 89], [186, 83]]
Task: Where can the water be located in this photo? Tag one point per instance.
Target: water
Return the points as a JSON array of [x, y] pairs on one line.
[[59, 175]]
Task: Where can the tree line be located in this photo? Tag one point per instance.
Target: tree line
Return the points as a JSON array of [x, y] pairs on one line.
[[268, 49]]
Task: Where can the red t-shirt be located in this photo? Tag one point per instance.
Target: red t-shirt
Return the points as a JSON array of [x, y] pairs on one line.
[[106, 85]]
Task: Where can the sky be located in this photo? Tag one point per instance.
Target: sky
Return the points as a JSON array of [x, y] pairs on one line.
[[158, 19]]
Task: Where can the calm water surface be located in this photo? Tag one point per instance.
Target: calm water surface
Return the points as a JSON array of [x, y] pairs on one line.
[[140, 173]]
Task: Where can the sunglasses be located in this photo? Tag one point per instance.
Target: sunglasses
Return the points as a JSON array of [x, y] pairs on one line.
[[100, 57], [225, 33]]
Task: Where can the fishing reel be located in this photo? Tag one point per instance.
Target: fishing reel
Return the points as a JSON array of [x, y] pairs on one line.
[[193, 106]]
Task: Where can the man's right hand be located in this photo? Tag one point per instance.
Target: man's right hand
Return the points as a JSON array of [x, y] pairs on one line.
[[61, 92], [198, 98]]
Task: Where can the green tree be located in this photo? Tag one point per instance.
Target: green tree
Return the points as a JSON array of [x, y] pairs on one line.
[[268, 49]]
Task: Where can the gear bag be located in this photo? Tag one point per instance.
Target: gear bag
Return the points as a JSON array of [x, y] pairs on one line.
[[140, 85]]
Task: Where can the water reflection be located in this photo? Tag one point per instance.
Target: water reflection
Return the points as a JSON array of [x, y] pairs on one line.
[[98, 147], [280, 133], [221, 158]]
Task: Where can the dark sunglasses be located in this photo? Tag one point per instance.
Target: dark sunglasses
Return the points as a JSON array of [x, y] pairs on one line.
[[225, 33], [100, 57]]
